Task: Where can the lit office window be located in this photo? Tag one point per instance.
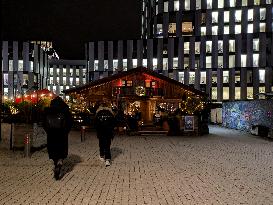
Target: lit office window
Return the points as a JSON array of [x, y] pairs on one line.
[[250, 28], [208, 46], [243, 60], [268, 1], [191, 77], [176, 5], [186, 47], [134, 63], [237, 93], [156, 11], [115, 64], [214, 93], [159, 29], [255, 60], [226, 16], [231, 45], [154, 63], [262, 76], [249, 92], [209, 4], [165, 64], [124, 64], [208, 61], [220, 46], [225, 93], [51, 71], [214, 30], [215, 17], [203, 77], [225, 76], [256, 44], [197, 47], [214, 77], [64, 80], [181, 77], [166, 6], [51, 80], [10, 65], [244, 2], [262, 13], [186, 63], [232, 3], [220, 61], [262, 90], [262, 27], [226, 29], [198, 4], [232, 61], [187, 5], [250, 15], [220, 3], [249, 76], [203, 31], [237, 29], [238, 16], [172, 28], [31, 66], [20, 65], [58, 71], [175, 63], [96, 65], [256, 2]]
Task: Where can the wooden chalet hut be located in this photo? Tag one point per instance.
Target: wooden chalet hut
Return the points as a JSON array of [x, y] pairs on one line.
[[140, 89]]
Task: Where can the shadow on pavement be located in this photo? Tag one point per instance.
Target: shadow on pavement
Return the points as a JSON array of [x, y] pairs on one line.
[[69, 164], [115, 151]]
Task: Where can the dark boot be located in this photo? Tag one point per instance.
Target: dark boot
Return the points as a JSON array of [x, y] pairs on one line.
[[57, 169]]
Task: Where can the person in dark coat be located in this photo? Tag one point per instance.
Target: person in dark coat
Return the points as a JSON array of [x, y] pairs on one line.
[[105, 124], [57, 124]]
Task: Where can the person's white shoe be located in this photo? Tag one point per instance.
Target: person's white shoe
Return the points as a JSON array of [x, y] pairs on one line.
[[101, 158], [107, 163]]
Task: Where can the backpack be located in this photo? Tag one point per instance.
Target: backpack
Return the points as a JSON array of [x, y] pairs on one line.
[[105, 119], [55, 121]]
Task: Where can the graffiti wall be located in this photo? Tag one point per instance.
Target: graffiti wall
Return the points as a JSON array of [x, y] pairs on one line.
[[242, 114]]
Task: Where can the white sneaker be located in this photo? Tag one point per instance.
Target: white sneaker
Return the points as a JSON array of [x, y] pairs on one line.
[[107, 163], [101, 158]]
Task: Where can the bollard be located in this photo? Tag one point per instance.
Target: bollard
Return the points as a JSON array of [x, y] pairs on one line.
[[27, 145], [82, 133]]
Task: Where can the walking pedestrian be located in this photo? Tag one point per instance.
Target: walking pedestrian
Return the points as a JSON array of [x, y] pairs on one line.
[[104, 124], [57, 124]]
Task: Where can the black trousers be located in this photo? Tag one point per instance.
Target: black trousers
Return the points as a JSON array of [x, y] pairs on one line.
[[105, 143]]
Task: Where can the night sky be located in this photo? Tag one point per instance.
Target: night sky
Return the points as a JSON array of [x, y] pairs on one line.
[[70, 23]]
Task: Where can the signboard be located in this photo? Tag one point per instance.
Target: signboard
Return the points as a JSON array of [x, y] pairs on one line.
[[189, 123]]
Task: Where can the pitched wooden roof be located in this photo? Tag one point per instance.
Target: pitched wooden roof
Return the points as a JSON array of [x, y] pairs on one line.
[[130, 72]]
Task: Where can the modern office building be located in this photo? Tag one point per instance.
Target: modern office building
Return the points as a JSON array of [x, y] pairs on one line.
[[65, 74], [221, 47], [24, 67]]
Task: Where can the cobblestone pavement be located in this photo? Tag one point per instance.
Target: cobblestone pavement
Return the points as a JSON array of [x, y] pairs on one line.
[[224, 167]]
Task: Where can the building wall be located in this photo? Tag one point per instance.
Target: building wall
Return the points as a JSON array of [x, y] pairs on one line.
[[24, 68], [224, 48], [65, 74]]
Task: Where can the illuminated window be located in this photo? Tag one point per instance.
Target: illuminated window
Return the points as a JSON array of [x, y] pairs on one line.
[[237, 93], [262, 27], [208, 46], [191, 77], [243, 60], [255, 60], [203, 31], [244, 2], [250, 28], [176, 5], [220, 61], [187, 27], [262, 13], [225, 93], [262, 76], [214, 93], [238, 16], [249, 93], [249, 76], [237, 29], [268, 1], [10, 65], [232, 61], [198, 4], [214, 30], [202, 77], [186, 47], [129, 83], [214, 77], [231, 3], [187, 4], [159, 29], [256, 2], [209, 4], [231, 45], [225, 76], [197, 47], [172, 28], [20, 65], [166, 6], [250, 15], [215, 17], [226, 16], [208, 61], [181, 77], [220, 46], [220, 3], [226, 29]]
